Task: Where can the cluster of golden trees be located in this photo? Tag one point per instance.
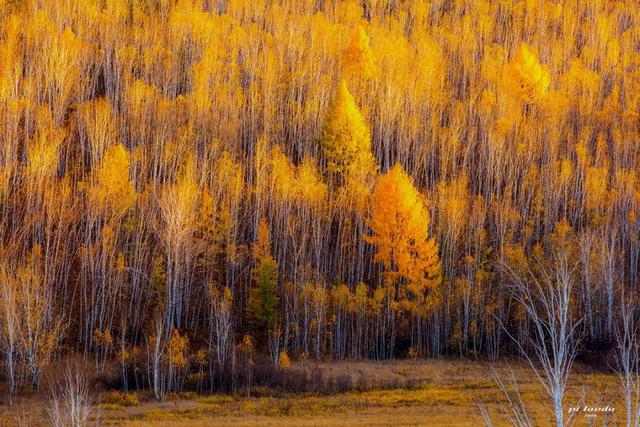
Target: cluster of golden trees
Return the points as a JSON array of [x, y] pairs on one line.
[[184, 180]]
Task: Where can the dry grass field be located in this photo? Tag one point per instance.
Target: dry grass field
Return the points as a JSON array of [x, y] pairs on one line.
[[419, 393]]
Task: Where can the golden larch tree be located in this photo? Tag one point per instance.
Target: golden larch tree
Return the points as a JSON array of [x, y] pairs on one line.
[[358, 61], [527, 78], [400, 223], [346, 138]]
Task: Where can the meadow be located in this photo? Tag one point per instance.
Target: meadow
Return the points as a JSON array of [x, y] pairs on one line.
[[402, 392]]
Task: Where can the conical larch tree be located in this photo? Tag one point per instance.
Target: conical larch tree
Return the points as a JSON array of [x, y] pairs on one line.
[[358, 61], [399, 224], [346, 144], [346, 138]]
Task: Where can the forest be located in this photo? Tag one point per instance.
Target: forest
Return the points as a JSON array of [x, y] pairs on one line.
[[192, 188]]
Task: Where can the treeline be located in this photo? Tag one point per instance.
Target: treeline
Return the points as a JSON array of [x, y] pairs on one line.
[[186, 185]]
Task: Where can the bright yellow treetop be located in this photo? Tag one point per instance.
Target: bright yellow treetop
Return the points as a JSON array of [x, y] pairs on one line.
[[114, 189], [358, 60], [346, 139], [526, 76], [177, 203], [262, 247]]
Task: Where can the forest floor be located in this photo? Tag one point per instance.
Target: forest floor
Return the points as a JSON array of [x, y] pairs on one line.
[[405, 392]]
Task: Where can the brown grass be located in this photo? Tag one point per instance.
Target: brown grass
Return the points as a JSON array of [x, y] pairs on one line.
[[431, 392]]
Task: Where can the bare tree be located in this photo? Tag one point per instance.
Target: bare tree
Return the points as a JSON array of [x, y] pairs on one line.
[[513, 409], [486, 418], [544, 288], [220, 327], [71, 403], [9, 326], [627, 362], [155, 350]]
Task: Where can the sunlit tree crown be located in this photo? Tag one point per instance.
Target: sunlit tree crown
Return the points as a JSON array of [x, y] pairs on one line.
[[528, 78]]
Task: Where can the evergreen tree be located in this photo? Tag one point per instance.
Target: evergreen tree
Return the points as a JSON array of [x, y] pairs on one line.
[[263, 310]]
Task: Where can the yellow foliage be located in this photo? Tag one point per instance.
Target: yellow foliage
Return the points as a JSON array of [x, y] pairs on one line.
[[262, 247], [358, 60], [177, 349], [120, 398], [400, 224], [43, 149], [582, 85], [597, 181], [100, 125], [178, 203], [528, 78], [310, 187], [303, 183], [283, 360], [114, 191], [453, 205], [346, 140], [102, 338], [150, 136]]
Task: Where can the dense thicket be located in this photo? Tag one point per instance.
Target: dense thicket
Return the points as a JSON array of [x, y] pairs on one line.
[[185, 183]]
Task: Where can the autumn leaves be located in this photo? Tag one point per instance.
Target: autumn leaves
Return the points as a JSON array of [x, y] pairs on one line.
[[528, 78], [400, 232], [399, 219]]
